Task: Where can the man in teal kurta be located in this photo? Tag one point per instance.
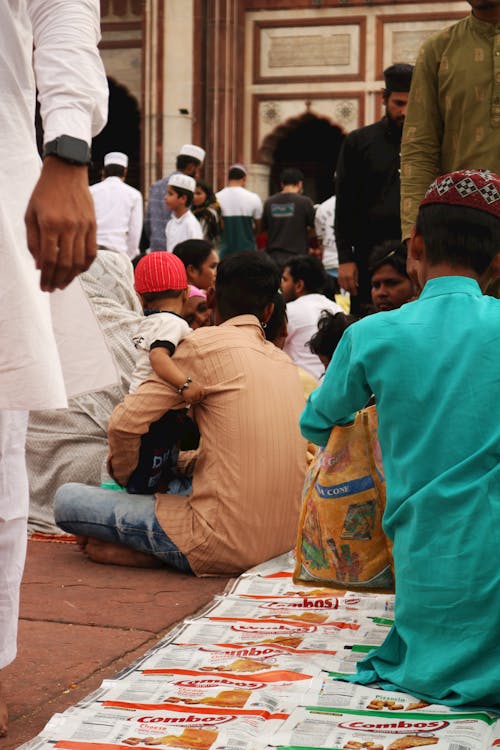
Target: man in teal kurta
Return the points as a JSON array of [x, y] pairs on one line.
[[434, 368]]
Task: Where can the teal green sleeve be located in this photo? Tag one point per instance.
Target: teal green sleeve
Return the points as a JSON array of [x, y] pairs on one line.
[[343, 391]]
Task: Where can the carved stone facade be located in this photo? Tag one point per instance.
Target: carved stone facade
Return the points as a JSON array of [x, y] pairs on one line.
[[247, 79]]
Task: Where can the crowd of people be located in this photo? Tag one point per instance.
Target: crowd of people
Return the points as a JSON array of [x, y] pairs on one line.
[[228, 362]]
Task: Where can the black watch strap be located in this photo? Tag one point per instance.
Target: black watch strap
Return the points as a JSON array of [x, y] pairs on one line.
[[67, 148]]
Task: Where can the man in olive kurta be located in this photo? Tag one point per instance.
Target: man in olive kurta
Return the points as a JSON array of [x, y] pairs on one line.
[[453, 116]]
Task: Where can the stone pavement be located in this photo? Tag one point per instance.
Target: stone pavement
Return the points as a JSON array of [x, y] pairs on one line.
[[81, 623]]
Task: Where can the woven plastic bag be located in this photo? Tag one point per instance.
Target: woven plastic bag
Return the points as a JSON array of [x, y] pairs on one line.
[[341, 542]]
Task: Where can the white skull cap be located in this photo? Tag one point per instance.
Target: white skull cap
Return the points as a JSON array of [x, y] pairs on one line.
[[116, 157], [196, 152], [182, 181]]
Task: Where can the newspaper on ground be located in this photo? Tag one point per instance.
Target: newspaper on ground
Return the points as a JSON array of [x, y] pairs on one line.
[[262, 667], [338, 625], [275, 693], [200, 728], [316, 727], [219, 659], [327, 690]]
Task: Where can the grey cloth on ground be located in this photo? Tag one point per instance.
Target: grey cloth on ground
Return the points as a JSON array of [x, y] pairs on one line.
[[70, 445]]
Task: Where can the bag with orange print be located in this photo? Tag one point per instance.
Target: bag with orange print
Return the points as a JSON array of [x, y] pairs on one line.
[[340, 541]]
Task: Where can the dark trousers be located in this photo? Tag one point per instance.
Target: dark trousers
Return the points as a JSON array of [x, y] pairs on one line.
[[159, 453]]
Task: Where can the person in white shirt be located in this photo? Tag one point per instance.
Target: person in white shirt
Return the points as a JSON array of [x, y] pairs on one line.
[[323, 225], [183, 224], [118, 207], [57, 42], [241, 213], [302, 283]]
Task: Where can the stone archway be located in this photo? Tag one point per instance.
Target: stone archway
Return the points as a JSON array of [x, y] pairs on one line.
[[121, 133], [312, 144]]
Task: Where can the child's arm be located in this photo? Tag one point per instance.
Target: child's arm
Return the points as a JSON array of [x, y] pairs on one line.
[[167, 370]]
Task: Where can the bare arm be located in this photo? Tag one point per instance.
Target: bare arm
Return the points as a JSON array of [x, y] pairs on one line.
[[60, 223], [167, 370]]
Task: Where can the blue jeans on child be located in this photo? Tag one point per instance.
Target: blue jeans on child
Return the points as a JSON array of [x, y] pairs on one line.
[[120, 518]]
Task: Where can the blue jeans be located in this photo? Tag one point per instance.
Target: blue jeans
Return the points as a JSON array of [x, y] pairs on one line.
[[117, 517]]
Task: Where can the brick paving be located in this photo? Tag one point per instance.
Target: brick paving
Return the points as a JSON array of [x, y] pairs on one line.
[[81, 623]]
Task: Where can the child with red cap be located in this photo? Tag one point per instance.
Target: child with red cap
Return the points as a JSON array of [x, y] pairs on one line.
[[161, 282]]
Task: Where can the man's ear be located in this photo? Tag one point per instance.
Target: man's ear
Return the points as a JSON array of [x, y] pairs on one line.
[[266, 313], [299, 287], [185, 295], [416, 246], [415, 259], [491, 273], [495, 267]]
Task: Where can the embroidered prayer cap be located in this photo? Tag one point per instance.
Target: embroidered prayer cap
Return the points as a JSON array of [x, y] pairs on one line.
[[471, 188], [397, 77], [182, 181], [160, 272], [195, 292], [116, 157], [195, 152]]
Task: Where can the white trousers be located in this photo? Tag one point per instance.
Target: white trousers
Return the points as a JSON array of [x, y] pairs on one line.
[[14, 504]]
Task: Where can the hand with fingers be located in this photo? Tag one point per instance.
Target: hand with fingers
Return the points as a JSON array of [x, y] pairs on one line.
[[60, 223]]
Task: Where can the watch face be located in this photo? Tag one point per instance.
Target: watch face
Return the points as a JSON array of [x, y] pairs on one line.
[[75, 148], [72, 150]]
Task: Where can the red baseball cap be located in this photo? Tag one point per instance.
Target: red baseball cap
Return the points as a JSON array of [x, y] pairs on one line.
[[160, 272]]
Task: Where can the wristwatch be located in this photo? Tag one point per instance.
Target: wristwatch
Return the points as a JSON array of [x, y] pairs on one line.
[[69, 149]]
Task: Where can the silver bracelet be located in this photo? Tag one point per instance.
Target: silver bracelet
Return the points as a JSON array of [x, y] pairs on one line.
[[185, 385]]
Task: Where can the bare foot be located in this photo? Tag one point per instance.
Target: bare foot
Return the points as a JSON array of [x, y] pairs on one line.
[[109, 553], [81, 541], [4, 717]]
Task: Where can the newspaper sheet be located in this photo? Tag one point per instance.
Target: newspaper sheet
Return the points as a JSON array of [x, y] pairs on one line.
[[172, 726], [316, 727]]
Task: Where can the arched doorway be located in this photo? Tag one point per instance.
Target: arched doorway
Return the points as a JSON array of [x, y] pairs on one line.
[[312, 144], [121, 133]]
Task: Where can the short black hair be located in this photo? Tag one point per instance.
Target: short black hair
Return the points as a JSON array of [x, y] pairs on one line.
[[391, 253], [183, 161], [459, 235], [193, 252], [291, 176], [114, 170], [245, 283], [181, 191], [331, 327], [275, 322], [235, 173], [308, 269], [149, 298]]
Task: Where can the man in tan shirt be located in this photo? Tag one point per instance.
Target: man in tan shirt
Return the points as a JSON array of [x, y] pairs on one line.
[[249, 471]]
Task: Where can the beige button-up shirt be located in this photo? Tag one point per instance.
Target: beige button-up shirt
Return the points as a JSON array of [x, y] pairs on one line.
[[249, 473]]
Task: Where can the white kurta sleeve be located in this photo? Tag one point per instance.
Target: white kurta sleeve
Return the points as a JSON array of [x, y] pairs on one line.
[[135, 227], [70, 76]]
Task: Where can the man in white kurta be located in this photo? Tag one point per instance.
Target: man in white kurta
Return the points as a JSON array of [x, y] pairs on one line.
[[118, 207], [73, 96]]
